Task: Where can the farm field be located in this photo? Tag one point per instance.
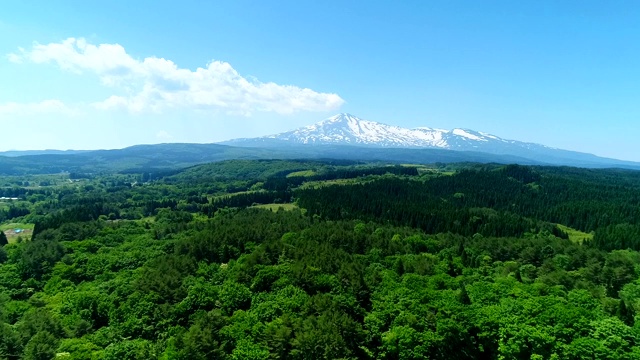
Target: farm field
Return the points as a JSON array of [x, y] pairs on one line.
[[13, 231]]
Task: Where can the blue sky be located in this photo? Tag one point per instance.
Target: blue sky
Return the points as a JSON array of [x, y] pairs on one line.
[[110, 74]]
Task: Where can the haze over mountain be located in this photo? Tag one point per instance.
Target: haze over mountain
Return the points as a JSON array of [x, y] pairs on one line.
[[347, 129]]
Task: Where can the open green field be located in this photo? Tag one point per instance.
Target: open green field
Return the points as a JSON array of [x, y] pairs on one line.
[[236, 193], [303, 173], [10, 231], [422, 169], [321, 183], [275, 207], [576, 236]]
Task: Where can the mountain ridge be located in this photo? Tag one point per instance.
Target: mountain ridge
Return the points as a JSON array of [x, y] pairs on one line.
[[347, 129], [340, 137]]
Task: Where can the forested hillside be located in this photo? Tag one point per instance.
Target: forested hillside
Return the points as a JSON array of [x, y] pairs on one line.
[[322, 260]]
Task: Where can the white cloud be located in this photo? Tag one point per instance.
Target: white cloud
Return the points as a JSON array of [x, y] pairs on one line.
[[36, 108], [163, 135], [15, 58], [153, 84]]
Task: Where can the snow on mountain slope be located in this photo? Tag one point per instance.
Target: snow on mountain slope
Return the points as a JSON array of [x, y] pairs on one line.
[[465, 134], [346, 129]]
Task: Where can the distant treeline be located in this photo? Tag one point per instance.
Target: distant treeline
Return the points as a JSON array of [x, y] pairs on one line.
[[279, 187], [498, 202], [488, 200]]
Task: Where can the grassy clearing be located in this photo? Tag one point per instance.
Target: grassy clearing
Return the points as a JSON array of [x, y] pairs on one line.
[[236, 193], [533, 186], [303, 173], [10, 231], [275, 207], [422, 169], [576, 236], [319, 184]]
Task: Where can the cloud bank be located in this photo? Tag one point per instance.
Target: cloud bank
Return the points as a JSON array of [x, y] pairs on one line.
[[155, 84]]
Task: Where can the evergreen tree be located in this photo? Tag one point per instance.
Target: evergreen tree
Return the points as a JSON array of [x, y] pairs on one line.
[[3, 239], [451, 268], [463, 297], [518, 275], [625, 313]]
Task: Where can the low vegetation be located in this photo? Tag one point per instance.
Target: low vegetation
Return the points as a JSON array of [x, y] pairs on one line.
[[276, 207], [576, 235]]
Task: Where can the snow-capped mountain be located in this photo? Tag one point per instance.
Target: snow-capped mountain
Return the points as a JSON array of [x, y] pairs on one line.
[[348, 130]]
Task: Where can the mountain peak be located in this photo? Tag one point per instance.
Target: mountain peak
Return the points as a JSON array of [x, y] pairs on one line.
[[342, 117], [348, 129]]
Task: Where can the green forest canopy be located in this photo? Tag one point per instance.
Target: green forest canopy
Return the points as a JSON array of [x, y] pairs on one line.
[[395, 263]]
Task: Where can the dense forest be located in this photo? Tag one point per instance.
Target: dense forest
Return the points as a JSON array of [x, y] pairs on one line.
[[321, 259]]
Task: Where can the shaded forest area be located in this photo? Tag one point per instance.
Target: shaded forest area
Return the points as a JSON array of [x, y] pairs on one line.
[[398, 262]]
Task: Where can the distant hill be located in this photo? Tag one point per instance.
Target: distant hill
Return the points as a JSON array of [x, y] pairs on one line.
[[162, 157], [15, 153], [135, 158]]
